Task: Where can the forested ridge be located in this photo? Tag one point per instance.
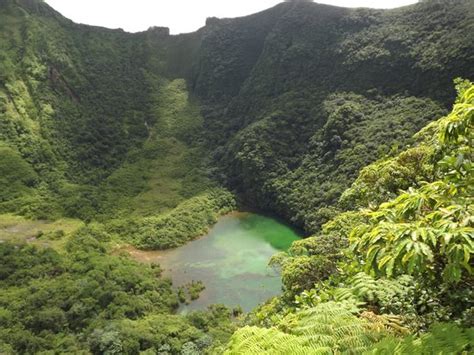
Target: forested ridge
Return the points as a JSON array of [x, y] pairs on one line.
[[340, 121]]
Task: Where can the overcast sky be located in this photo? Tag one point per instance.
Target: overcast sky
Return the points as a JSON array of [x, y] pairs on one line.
[[179, 15]]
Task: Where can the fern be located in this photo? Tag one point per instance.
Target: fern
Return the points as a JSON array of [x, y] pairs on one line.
[[330, 327], [443, 338]]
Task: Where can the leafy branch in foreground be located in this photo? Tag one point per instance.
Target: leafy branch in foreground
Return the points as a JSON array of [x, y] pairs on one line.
[[429, 230]]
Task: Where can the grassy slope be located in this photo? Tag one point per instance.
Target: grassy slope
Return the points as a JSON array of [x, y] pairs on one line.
[[169, 168]]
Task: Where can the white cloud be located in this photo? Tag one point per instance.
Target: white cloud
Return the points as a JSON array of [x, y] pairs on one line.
[[179, 15]]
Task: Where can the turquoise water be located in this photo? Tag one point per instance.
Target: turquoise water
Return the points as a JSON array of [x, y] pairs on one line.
[[231, 261]]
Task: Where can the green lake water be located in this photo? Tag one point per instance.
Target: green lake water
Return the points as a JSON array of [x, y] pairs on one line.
[[231, 261]]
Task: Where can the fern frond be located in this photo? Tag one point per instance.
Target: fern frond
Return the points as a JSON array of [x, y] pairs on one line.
[[323, 329], [443, 338]]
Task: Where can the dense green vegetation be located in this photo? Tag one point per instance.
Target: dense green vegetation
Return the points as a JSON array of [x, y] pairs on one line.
[[307, 111], [357, 131], [334, 328], [283, 107], [308, 94], [189, 220], [380, 273], [85, 301], [93, 125]]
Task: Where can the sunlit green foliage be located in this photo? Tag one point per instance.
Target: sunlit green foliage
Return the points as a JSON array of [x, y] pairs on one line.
[[168, 168], [418, 304], [294, 124], [415, 250], [86, 301], [188, 221], [49, 297], [325, 329], [381, 181], [133, 134], [442, 339], [303, 178], [101, 119], [316, 258], [77, 103], [429, 231]]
